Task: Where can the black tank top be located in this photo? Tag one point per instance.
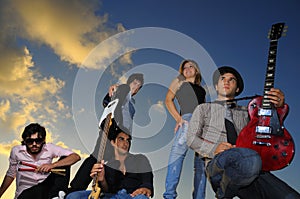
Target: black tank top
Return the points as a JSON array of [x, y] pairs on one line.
[[189, 95]]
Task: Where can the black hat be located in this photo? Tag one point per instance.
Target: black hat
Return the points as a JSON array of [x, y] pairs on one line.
[[227, 69]]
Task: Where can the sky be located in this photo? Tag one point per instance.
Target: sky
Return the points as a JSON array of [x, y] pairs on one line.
[[58, 59]]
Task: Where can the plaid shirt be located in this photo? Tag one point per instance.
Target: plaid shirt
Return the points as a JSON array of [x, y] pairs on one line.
[[207, 129]]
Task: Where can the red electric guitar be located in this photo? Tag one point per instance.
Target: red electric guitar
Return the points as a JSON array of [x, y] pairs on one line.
[[265, 132]]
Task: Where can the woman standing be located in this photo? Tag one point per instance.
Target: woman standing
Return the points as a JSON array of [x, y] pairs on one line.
[[188, 92]]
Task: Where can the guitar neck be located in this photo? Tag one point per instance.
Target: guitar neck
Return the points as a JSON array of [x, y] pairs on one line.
[[107, 115], [274, 34], [104, 137], [270, 74], [102, 144]]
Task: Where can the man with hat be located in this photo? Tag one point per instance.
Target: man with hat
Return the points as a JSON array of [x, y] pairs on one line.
[[232, 171]]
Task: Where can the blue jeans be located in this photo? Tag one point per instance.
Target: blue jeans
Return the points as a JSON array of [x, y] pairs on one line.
[[233, 169], [199, 178], [122, 194], [177, 155]]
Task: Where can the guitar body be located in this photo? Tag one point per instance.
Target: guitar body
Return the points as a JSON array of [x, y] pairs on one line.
[[276, 147], [95, 193]]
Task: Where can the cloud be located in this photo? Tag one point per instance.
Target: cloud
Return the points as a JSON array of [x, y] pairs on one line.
[[4, 108], [82, 155], [25, 95], [160, 107], [71, 28], [6, 147]]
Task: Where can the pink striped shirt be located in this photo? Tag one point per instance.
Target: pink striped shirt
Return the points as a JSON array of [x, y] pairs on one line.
[[27, 179]]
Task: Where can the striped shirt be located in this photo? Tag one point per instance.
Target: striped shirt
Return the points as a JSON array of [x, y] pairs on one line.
[[207, 128]]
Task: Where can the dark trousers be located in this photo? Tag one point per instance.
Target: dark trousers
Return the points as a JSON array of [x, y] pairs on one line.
[[82, 178], [236, 172], [268, 186], [50, 187]]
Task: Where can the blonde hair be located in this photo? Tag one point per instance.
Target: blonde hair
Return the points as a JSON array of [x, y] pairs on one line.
[[198, 77]]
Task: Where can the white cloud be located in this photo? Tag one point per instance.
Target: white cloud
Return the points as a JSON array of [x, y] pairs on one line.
[[6, 147], [71, 29]]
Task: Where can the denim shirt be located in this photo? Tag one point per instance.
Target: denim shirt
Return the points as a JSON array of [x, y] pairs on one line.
[[128, 112]]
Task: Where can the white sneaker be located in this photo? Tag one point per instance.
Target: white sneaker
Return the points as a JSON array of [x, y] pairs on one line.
[[61, 195]]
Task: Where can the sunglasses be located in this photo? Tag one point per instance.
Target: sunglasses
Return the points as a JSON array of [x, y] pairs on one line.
[[30, 141]]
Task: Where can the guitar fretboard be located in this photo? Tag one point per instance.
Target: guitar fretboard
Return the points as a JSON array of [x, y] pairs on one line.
[[270, 74], [104, 137]]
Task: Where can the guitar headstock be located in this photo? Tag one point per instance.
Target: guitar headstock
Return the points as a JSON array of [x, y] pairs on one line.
[[277, 31]]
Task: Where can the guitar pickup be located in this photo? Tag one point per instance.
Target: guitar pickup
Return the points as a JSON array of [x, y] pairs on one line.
[[263, 129], [265, 112], [261, 143], [263, 137]]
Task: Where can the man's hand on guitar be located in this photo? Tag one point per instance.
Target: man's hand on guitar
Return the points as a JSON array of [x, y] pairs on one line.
[[112, 89], [223, 146], [276, 96], [143, 191], [98, 168]]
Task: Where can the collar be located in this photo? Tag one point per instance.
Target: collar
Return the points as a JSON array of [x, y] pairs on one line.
[[225, 103]]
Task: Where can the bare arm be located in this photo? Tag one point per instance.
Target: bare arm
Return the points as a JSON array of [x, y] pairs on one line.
[[5, 184], [169, 101], [69, 160]]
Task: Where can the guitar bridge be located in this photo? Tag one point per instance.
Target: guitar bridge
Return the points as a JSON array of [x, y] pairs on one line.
[[262, 143]]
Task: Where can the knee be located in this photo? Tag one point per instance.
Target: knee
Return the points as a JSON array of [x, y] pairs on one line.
[[251, 164]]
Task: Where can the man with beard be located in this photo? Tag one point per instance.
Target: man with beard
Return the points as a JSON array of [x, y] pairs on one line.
[[31, 164]]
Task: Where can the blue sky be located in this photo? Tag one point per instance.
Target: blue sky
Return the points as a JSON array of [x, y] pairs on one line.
[[58, 59]]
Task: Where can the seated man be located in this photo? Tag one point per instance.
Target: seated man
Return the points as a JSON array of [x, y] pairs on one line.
[[126, 175], [31, 163]]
